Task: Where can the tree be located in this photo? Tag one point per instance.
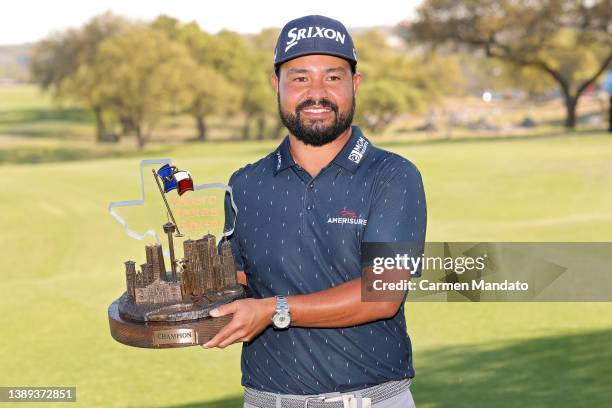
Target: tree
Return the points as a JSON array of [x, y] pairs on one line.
[[233, 71], [170, 25], [568, 40], [257, 103], [64, 64], [211, 91], [54, 59], [259, 99], [211, 94], [394, 83], [145, 76], [379, 104], [248, 67]]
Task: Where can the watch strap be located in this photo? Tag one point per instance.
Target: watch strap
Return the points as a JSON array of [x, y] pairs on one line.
[[282, 305]]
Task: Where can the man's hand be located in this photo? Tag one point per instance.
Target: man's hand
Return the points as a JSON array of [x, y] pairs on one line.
[[251, 317]]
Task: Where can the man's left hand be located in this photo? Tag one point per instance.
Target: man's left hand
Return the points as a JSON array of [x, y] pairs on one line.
[[251, 317]]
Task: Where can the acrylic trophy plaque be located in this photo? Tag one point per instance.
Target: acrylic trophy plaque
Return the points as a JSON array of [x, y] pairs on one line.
[[184, 270]]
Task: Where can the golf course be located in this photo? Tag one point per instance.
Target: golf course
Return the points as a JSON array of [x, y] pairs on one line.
[[62, 265]]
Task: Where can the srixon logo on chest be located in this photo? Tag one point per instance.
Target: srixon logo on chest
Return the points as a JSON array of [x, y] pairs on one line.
[[296, 35], [347, 217]]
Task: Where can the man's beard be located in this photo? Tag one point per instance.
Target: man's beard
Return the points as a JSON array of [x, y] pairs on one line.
[[316, 133]]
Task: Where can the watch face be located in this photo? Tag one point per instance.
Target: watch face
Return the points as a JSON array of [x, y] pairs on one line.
[[281, 320]]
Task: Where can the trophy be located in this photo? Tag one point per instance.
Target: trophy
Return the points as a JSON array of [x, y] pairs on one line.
[[170, 308]]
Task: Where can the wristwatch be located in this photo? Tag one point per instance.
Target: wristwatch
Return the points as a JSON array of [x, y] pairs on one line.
[[282, 317]]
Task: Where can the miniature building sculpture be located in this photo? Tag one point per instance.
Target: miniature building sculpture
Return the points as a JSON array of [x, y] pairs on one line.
[[205, 270]]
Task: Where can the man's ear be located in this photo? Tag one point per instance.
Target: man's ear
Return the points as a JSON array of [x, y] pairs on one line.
[[356, 81], [274, 82]]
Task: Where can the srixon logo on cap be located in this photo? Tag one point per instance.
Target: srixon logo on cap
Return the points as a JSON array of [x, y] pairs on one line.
[[296, 35]]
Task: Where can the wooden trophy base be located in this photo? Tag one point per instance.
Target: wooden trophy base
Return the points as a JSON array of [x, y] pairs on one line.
[[163, 334]]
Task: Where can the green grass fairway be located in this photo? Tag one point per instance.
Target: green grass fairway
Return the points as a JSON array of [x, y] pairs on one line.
[[62, 264]]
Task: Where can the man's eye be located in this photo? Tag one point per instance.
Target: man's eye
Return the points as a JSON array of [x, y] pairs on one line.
[[299, 79], [334, 78]]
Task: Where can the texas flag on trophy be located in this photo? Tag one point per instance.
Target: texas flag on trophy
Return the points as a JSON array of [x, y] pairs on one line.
[[175, 179], [185, 182]]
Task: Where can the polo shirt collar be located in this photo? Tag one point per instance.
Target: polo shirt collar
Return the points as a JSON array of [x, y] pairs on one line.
[[349, 157], [353, 152], [282, 157]]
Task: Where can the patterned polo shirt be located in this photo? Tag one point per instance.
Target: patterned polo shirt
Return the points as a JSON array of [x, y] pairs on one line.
[[298, 234]]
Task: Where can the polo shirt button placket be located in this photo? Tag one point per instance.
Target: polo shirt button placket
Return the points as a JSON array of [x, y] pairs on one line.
[[309, 206]]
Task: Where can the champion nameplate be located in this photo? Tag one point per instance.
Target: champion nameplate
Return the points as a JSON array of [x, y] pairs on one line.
[[175, 336]]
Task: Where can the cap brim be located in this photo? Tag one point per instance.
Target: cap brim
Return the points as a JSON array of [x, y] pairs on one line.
[[351, 61]]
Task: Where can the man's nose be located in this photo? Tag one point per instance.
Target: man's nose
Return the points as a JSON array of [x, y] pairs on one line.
[[317, 89]]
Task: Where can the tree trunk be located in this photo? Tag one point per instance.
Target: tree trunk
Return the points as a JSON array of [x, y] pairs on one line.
[[139, 136], [201, 125], [570, 111], [126, 125], [261, 127], [246, 128], [571, 101], [102, 135]]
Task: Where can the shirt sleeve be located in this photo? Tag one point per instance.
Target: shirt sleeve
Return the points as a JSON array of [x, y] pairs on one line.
[[398, 213], [230, 217]]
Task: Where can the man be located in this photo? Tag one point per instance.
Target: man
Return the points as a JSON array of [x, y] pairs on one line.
[[303, 212]]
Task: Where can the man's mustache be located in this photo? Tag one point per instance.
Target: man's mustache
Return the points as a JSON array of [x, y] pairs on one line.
[[326, 103]]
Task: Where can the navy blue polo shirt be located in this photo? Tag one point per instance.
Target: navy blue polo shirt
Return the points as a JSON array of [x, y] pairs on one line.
[[296, 234]]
